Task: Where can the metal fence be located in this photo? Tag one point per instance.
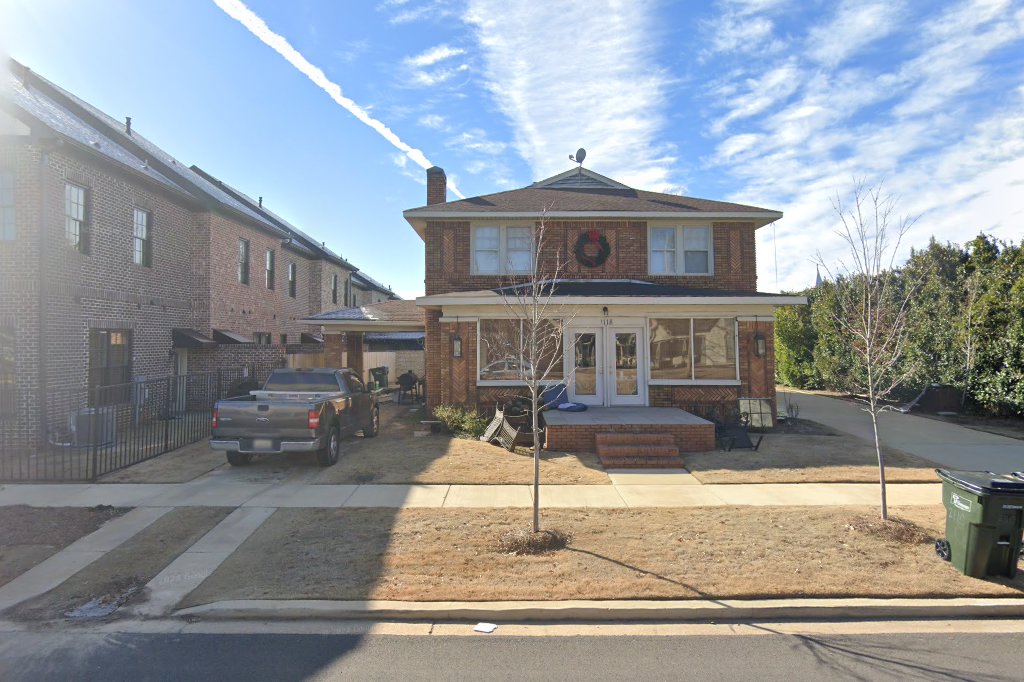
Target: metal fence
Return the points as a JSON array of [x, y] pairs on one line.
[[83, 434]]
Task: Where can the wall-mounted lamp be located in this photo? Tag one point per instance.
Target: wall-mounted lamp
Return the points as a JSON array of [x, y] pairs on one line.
[[456, 341], [760, 345], [604, 311]]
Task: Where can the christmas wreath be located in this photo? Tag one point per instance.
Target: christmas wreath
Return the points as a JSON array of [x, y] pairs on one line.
[[592, 249]]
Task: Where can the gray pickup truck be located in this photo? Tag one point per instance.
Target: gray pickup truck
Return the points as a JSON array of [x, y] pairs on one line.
[[298, 410]]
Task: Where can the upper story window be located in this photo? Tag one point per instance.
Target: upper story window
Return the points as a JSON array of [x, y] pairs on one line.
[[270, 269], [680, 251], [504, 249], [291, 279], [143, 250], [261, 338], [348, 293], [8, 400], [243, 261], [74, 217], [6, 206], [334, 288]]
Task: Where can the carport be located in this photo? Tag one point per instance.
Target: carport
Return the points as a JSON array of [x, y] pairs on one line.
[[353, 335]]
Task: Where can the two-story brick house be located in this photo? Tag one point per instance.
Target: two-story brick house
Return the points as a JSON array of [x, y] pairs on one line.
[[120, 263], [661, 291]]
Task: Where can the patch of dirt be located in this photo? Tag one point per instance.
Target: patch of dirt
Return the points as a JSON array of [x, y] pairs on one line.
[[791, 458], [893, 529], [398, 455], [520, 541], [108, 580], [30, 535], [178, 466], [712, 553], [802, 427]]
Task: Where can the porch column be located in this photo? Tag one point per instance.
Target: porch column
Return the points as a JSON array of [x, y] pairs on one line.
[[355, 354]]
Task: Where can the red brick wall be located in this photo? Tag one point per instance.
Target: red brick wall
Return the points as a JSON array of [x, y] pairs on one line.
[[448, 255], [581, 438]]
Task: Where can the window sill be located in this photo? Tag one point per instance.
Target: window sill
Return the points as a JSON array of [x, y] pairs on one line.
[[693, 382], [514, 382], [681, 274]]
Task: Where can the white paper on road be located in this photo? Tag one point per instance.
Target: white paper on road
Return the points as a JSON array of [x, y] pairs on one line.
[[485, 627]]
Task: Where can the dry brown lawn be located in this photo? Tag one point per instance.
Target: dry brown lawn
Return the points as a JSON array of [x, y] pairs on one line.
[[802, 458], [29, 535], [451, 554], [398, 455]]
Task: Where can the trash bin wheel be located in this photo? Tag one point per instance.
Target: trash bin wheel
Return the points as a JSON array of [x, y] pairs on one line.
[[942, 549]]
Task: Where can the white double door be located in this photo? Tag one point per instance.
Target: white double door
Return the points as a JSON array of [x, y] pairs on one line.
[[606, 362]]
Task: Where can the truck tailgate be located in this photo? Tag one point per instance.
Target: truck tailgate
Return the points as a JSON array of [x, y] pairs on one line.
[[278, 419]]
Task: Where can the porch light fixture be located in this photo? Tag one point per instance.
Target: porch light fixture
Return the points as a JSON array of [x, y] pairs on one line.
[[456, 341], [760, 345], [604, 311]]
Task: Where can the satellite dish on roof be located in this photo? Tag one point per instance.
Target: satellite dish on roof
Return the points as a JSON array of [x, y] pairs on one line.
[[581, 154]]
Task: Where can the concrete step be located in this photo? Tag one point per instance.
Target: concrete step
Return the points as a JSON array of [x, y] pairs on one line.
[[641, 462], [638, 450], [620, 438], [637, 454]]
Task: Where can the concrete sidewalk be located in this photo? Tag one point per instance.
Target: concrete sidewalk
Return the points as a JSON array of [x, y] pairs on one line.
[[949, 445], [624, 493]]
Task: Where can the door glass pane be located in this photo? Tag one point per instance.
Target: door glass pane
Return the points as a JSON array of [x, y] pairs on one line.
[[586, 364], [625, 364]]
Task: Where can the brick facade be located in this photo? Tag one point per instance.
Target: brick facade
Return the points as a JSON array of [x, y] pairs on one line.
[[581, 437], [448, 255]]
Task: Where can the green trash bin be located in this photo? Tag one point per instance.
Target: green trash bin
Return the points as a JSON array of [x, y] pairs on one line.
[[983, 521]]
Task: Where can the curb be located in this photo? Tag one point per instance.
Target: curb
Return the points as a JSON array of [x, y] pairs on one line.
[[604, 611]]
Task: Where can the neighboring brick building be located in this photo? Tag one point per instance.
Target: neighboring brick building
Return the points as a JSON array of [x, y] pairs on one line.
[[119, 263], [659, 293]]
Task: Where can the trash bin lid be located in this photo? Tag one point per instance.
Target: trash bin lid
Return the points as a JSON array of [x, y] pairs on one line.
[[985, 481]]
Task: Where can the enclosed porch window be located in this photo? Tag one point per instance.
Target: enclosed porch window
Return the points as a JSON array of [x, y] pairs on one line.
[[503, 353], [693, 349]]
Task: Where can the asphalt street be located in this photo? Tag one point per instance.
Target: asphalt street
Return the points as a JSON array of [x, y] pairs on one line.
[[69, 655]]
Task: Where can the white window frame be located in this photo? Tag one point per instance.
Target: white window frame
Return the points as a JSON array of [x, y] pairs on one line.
[[503, 262], [693, 364], [680, 251]]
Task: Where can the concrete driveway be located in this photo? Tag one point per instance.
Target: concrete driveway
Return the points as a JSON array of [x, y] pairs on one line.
[[946, 444]]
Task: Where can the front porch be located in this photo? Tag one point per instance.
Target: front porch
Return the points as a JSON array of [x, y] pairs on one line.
[[578, 431]]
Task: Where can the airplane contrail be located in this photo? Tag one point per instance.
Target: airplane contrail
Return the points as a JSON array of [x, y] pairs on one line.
[[245, 16]]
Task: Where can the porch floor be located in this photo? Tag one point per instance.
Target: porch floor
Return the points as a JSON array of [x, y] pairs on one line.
[[601, 416]]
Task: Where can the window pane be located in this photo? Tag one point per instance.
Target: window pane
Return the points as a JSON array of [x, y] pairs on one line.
[[585, 361], [663, 262], [6, 205], [670, 349], [499, 350], [696, 262], [663, 238], [549, 351], [695, 238], [486, 238], [714, 345], [486, 262], [625, 364], [519, 261], [519, 239]]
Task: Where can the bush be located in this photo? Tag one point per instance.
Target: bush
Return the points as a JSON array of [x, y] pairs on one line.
[[460, 422], [521, 542]]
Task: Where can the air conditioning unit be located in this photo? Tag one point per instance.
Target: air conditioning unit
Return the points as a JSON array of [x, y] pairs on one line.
[[93, 426]]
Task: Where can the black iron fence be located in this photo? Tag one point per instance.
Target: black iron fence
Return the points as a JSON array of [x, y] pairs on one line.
[[80, 435]]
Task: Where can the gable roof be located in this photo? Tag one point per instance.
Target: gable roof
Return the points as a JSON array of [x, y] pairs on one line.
[[386, 316], [579, 193], [309, 244], [71, 116], [364, 281]]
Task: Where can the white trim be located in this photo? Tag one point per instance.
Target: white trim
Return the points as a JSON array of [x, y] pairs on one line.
[[503, 260], [457, 319], [580, 171], [694, 382], [680, 250], [414, 214], [491, 298]]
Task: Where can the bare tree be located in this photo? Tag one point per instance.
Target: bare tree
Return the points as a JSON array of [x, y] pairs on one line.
[[537, 347], [872, 301]]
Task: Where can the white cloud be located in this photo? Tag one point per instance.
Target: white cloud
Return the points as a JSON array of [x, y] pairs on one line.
[[433, 56], [742, 27], [433, 121], [475, 140], [578, 74], [255, 25], [856, 25]]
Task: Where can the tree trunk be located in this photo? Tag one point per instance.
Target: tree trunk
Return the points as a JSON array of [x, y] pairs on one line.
[[881, 464], [536, 463]]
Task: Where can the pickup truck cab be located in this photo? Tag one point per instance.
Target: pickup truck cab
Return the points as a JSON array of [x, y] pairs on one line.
[[297, 410]]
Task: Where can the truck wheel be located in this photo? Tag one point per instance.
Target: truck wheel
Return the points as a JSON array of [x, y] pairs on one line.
[[239, 459], [329, 455], [374, 427]]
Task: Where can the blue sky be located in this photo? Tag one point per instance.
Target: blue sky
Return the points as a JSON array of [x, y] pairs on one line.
[[776, 103]]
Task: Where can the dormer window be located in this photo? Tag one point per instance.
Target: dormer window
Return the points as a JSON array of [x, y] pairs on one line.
[[680, 251], [502, 249]]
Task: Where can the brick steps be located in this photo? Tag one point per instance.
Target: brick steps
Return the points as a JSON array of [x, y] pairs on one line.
[[637, 451]]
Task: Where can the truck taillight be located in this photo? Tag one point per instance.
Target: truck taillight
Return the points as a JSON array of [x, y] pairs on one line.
[[314, 419], [213, 422]]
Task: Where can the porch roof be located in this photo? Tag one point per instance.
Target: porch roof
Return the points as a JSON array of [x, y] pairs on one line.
[[618, 290], [387, 316]]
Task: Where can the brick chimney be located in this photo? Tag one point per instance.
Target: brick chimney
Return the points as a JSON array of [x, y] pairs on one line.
[[437, 186]]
